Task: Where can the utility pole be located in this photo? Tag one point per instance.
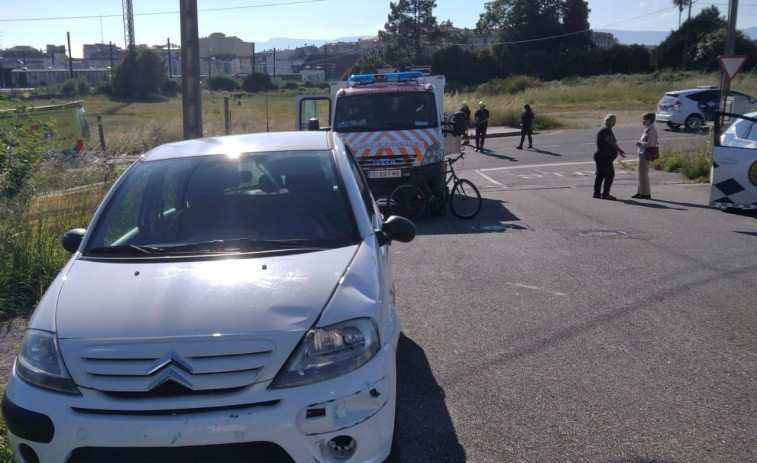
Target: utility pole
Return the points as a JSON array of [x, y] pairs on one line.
[[170, 71], [70, 56], [730, 38], [191, 95]]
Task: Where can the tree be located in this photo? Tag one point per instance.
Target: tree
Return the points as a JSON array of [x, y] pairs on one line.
[[222, 82], [257, 82], [681, 4], [536, 33], [700, 40], [140, 76], [575, 21], [410, 32]]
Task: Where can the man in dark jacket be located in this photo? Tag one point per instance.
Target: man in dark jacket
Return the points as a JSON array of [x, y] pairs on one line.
[[607, 151], [482, 122], [526, 126], [466, 110]]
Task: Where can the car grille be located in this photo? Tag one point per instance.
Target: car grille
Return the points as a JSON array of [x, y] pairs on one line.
[[253, 452], [161, 369]]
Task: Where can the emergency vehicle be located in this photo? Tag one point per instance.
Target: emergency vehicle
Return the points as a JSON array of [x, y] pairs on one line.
[[394, 125], [63, 127], [733, 177]]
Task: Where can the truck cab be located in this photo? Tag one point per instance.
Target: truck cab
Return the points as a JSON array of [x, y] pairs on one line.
[[393, 124]]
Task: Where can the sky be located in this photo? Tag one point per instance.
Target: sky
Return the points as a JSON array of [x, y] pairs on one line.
[[42, 22]]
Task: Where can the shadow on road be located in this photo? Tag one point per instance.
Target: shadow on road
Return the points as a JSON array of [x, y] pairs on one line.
[[426, 430], [494, 217], [488, 152], [537, 150]]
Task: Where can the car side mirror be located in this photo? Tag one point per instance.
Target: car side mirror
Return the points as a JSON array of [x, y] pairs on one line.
[[396, 228], [72, 239]]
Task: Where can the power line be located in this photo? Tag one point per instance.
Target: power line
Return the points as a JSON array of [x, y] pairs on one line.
[[59, 18]]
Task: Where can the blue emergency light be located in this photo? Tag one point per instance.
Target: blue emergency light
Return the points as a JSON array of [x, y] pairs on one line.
[[389, 77]]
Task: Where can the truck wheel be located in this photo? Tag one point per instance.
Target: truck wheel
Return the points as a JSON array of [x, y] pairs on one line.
[[694, 123]]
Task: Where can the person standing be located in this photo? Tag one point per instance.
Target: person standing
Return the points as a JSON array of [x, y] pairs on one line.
[[607, 151], [648, 139], [526, 126], [466, 109], [482, 122]]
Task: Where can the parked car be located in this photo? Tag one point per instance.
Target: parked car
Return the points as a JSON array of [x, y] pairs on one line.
[[742, 133], [693, 108], [232, 300]]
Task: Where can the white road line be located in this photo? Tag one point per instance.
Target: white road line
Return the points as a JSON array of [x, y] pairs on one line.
[[536, 288], [536, 166], [489, 178]]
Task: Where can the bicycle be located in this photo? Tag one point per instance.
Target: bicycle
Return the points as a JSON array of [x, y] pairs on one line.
[[410, 200]]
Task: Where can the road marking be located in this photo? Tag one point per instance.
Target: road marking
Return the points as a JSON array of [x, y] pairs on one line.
[[536, 288], [535, 166], [489, 178]]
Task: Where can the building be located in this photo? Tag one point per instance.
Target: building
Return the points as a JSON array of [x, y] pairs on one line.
[[603, 39]]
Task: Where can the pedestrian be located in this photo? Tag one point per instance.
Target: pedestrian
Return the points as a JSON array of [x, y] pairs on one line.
[[648, 140], [526, 126], [466, 109], [607, 151], [482, 122]]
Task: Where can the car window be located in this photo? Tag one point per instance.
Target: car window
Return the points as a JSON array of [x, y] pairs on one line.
[[256, 198], [705, 96], [743, 128]]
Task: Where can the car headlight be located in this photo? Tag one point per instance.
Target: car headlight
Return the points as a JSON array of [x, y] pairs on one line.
[[329, 352], [39, 363], [434, 154]]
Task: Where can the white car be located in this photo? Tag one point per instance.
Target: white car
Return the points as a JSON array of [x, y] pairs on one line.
[[693, 108], [231, 301], [742, 133]]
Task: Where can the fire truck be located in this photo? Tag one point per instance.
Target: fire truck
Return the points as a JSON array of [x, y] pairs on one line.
[[395, 126]]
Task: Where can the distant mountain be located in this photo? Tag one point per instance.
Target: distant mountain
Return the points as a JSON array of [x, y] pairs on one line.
[[283, 43], [624, 37], [655, 37]]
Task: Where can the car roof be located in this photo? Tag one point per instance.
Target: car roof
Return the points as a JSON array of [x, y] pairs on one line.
[[243, 143]]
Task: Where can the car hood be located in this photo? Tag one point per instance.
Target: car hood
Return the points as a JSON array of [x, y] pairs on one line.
[[107, 300]]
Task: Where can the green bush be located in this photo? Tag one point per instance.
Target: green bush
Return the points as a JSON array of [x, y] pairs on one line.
[[222, 82], [693, 164]]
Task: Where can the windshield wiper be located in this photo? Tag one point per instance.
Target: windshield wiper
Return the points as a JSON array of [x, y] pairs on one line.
[[241, 245], [125, 249]]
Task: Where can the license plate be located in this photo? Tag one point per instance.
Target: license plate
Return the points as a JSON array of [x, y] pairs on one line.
[[384, 173]]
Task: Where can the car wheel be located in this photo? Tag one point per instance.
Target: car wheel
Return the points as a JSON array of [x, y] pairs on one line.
[[694, 122], [673, 126]]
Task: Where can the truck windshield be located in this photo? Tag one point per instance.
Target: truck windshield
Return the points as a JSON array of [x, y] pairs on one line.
[[385, 111]]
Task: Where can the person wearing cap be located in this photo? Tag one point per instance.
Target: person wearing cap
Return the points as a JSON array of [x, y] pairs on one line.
[[482, 122], [466, 110]]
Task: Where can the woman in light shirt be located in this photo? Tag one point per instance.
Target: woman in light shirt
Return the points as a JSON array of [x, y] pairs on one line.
[[648, 138]]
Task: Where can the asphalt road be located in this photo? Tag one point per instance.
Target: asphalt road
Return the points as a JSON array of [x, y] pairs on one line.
[[555, 327]]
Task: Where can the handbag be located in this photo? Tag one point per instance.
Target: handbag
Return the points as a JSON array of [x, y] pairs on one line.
[[652, 153]]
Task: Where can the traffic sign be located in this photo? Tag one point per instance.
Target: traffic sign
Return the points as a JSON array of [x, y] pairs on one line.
[[731, 64]]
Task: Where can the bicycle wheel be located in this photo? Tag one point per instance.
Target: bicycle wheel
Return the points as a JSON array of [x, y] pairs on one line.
[[465, 200], [407, 201]]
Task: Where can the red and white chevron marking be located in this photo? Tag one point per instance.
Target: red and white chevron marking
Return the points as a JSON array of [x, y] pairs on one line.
[[395, 143]]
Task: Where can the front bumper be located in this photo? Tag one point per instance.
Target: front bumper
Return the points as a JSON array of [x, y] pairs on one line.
[[433, 174], [302, 420]]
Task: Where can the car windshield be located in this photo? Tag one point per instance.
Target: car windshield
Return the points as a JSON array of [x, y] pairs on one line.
[[283, 201], [385, 111]]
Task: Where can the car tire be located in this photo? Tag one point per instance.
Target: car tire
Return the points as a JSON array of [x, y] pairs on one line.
[[694, 123], [673, 126]]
